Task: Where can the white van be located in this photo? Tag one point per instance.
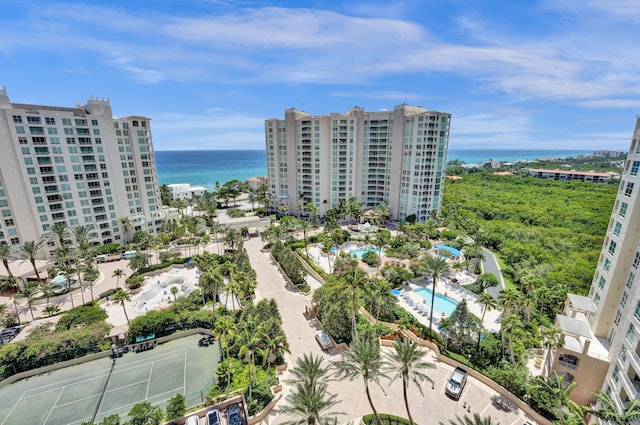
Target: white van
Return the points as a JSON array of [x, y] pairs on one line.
[[128, 255], [192, 420]]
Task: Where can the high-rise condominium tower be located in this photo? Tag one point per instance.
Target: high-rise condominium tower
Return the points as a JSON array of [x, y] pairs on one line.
[[396, 155], [601, 347], [76, 165]]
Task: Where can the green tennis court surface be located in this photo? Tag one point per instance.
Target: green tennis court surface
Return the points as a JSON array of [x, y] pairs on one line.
[[71, 395]]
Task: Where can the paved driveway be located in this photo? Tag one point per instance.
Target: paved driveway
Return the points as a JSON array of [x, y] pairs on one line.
[[430, 408], [490, 265]]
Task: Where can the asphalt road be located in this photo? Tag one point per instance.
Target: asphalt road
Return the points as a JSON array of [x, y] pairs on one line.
[[490, 265]]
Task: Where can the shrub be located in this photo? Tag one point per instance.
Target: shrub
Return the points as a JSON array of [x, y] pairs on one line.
[[83, 315], [385, 418], [107, 293], [370, 257], [112, 248], [132, 280]]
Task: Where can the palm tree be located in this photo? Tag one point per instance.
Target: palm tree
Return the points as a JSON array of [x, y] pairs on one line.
[[82, 234], [251, 339], [507, 298], [51, 310], [558, 391], [47, 290], [363, 361], [59, 231], [6, 254], [15, 299], [226, 327], [273, 346], [91, 274], [511, 324], [63, 257], [30, 250], [117, 273], [121, 297], [174, 292], [214, 278], [553, 338], [607, 410], [354, 279], [126, 224], [407, 361], [476, 420], [28, 293], [488, 303], [434, 267], [309, 400], [382, 239]]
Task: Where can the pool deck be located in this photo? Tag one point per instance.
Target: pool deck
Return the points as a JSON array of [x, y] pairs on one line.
[[408, 299]]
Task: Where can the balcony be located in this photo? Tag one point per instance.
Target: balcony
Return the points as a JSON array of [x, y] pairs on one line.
[[567, 365]]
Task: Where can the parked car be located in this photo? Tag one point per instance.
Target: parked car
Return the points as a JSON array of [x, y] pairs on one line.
[[213, 417], [233, 415], [192, 420], [456, 382], [324, 340]]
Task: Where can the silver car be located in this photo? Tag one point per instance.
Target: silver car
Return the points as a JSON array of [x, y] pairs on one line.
[[324, 340]]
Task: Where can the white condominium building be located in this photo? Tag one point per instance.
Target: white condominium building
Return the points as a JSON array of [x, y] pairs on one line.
[[602, 331], [397, 155], [76, 165]]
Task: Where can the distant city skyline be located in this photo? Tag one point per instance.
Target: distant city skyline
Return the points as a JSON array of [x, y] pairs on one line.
[[534, 74]]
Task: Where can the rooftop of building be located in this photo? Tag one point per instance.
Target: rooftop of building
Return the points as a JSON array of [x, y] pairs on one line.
[[580, 302], [579, 173], [578, 336]]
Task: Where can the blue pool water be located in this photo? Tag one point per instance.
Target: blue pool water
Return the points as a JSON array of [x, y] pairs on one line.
[[360, 252], [441, 304], [453, 251]]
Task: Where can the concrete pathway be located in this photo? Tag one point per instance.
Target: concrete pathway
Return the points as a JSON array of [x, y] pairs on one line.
[[490, 265]]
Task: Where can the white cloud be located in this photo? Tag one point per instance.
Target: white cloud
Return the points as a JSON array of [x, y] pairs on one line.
[[610, 103]]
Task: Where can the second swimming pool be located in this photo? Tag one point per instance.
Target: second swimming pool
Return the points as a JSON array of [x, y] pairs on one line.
[[441, 304]]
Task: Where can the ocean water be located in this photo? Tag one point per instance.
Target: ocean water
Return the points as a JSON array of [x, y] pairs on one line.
[[205, 168]]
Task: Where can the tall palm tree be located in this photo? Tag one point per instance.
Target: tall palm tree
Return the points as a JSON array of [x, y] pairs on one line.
[[117, 273], [407, 361], [47, 290], [381, 240], [488, 303], [354, 280], [60, 232], [273, 346], [476, 420], [127, 226], [363, 360], [28, 293], [121, 297], [309, 401], [6, 253], [226, 327], [607, 410], [553, 338], [63, 256], [507, 299], [31, 250], [214, 279], [251, 339], [433, 267], [82, 234], [511, 324], [15, 299], [558, 390]]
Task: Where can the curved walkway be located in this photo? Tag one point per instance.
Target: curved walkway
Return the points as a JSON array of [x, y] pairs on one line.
[[490, 265]]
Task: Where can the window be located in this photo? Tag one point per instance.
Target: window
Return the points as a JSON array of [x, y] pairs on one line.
[[596, 300], [50, 121], [636, 260], [33, 120], [619, 316], [634, 168], [623, 209], [628, 190], [637, 312], [17, 119], [612, 247], [617, 228], [630, 279], [601, 282], [631, 333], [623, 354], [66, 121], [607, 265], [623, 300]]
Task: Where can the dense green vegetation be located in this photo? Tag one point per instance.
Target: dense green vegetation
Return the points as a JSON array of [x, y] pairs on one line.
[[553, 229]]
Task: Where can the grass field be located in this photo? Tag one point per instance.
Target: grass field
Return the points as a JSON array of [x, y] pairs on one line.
[[72, 395]]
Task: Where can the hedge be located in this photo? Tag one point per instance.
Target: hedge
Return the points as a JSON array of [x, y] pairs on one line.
[[386, 419]]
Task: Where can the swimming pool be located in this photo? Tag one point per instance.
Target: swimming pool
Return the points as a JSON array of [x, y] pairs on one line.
[[441, 304], [453, 251], [361, 251]]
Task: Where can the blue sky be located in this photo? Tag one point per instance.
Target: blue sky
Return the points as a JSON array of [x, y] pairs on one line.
[[558, 74]]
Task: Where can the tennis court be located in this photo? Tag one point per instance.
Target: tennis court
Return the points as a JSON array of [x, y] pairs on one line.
[[72, 395]]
